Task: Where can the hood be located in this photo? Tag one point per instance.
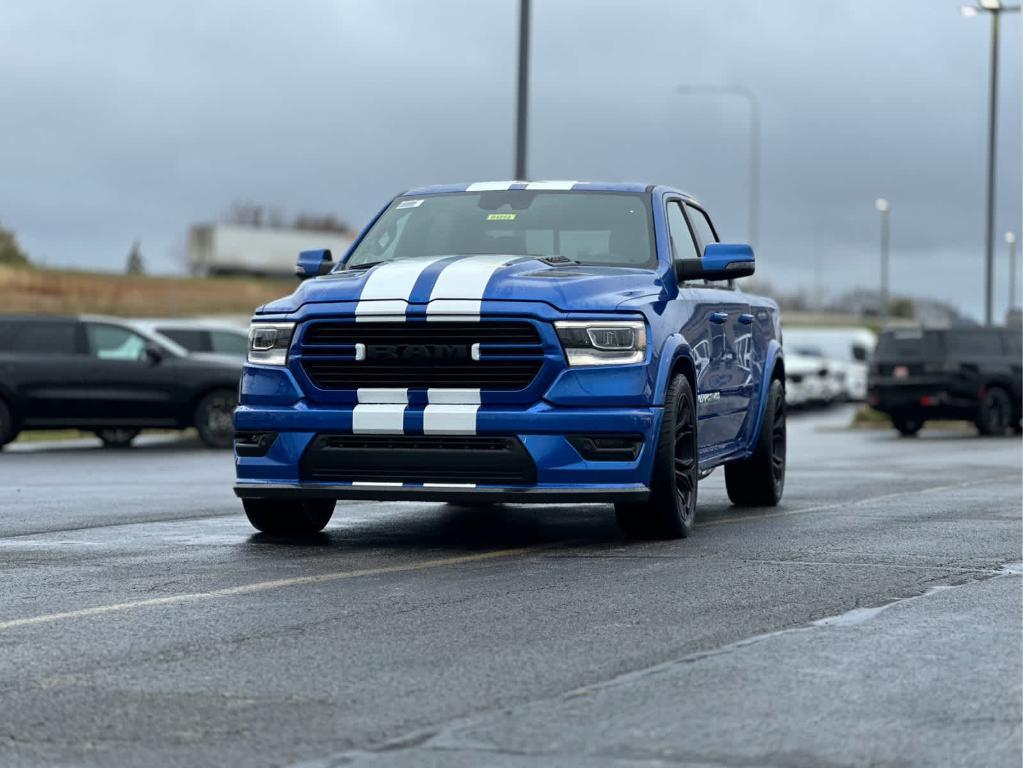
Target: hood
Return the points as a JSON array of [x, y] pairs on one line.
[[460, 282]]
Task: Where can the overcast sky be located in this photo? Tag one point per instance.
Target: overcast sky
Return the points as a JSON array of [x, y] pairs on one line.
[[128, 119]]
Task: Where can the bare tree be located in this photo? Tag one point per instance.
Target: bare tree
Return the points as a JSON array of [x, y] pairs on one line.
[[135, 265]]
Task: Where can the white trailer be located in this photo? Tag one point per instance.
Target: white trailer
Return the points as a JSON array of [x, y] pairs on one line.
[[221, 249]]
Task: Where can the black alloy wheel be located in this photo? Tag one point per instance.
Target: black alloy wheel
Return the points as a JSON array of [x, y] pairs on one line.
[[670, 510], [994, 416], [759, 481], [686, 474], [214, 418]]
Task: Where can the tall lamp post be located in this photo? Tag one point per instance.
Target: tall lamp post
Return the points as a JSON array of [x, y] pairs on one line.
[[886, 213], [996, 9], [1010, 240], [754, 145], [522, 105]]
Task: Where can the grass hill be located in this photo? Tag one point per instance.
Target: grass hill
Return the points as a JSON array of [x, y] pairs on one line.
[[52, 291]]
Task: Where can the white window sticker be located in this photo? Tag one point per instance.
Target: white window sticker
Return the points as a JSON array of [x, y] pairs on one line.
[[409, 204]]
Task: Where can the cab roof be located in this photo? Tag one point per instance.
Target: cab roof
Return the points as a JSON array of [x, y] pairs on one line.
[[563, 185]]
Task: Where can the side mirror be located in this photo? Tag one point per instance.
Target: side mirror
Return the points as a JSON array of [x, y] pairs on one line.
[[721, 261], [313, 264], [152, 353]]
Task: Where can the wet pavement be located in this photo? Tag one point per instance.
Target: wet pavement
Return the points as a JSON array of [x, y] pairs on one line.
[[873, 618]]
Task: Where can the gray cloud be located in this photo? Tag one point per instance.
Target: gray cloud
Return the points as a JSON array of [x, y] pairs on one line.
[[126, 120]]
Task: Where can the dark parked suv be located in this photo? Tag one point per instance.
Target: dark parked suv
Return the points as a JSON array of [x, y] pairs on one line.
[[969, 374], [109, 377]]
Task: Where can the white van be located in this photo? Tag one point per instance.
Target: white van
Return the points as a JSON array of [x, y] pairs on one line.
[[848, 351]]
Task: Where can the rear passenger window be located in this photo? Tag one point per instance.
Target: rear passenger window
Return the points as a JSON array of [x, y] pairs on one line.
[[46, 339], [1015, 343], [975, 343], [682, 245]]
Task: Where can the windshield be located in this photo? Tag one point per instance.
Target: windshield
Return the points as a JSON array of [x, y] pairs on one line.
[[606, 228]]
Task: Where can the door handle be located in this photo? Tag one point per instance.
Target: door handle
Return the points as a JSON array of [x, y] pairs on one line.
[[746, 319], [718, 317]]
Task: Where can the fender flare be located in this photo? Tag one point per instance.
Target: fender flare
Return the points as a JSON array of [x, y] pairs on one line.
[[775, 355], [675, 348]]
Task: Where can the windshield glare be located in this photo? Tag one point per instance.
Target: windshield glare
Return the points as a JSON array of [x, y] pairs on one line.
[[603, 228]]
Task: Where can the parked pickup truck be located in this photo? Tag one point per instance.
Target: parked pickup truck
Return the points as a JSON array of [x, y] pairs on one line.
[[524, 342], [966, 374]]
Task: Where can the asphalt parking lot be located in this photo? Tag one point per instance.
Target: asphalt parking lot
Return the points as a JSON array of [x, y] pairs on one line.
[[874, 618]]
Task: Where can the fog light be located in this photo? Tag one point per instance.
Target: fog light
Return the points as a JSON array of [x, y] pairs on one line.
[[607, 447], [253, 443]]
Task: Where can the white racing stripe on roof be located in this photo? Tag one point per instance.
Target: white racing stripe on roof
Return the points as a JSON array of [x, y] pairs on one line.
[[451, 411], [388, 288], [562, 185], [460, 286], [491, 186]]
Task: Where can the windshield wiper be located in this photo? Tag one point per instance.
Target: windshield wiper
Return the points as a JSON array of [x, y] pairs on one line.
[[367, 265]]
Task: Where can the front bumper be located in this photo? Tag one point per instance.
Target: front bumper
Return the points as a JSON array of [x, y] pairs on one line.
[[384, 492], [562, 474]]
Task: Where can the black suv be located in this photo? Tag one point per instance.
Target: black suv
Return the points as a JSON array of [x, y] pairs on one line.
[[110, 377], [969, 374]]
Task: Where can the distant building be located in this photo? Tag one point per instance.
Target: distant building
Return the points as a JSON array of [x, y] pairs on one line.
[[227, 249]]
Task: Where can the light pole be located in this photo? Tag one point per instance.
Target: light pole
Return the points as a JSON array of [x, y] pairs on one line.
[[754, 145], [522, 106], [1010, 240], [886, 214], [996, 9]]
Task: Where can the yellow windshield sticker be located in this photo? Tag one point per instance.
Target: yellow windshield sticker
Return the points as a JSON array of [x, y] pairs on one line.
[[500, 217]]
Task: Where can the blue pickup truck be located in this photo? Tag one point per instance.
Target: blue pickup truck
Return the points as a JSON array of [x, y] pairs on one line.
[[550, 341]]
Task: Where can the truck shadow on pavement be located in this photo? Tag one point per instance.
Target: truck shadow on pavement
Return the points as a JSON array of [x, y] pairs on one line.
[[453, 528]]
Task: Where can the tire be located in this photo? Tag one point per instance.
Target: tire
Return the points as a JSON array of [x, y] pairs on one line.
[[214, 418], [289, 518], [994, 416], [670, 510], [907, 426], [117, 438], [759, 481], [7, 429]]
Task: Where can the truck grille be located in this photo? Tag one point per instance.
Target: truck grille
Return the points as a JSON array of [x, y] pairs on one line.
[[418, 459], [422, 355]]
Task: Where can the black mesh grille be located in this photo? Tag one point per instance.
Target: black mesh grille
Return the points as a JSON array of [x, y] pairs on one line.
[[428, 354], [418, 459]]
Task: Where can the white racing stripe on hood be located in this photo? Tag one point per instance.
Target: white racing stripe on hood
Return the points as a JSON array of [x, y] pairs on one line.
[[380, 412], [388, 288], [460, 286], [451, 411]]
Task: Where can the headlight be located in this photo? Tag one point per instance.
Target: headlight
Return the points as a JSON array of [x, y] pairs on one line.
[[269, 342], [597, 342]]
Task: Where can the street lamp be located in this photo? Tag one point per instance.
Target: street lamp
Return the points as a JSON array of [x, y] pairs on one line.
[[885, 210], [1010, 240], [522, 103], [754, 145], [996, 9]]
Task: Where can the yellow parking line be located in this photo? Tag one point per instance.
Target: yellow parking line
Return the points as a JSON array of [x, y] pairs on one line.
[[264, 586]]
